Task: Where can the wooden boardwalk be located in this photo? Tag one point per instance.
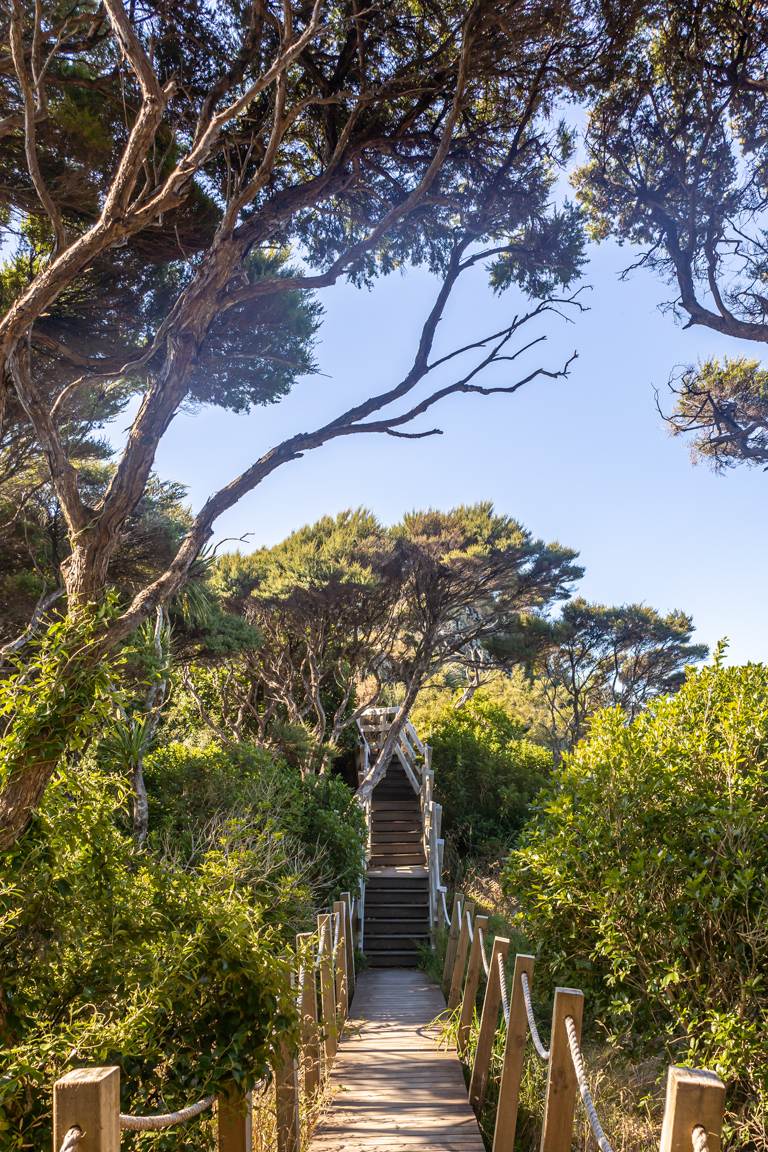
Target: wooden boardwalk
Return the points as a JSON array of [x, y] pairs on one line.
[[392, 1087]]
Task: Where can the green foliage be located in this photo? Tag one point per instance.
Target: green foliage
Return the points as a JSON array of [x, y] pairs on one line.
[[641, 874], [57, 694], [486, 771], [723, 406], [175, 972], [194, 791]]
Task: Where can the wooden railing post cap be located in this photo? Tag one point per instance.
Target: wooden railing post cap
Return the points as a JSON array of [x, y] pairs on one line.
[[88, 1098], [694, 1097]]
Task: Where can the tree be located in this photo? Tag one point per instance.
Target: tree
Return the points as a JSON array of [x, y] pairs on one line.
[[171, 155], [676, 145], [469, 575], [724, 407], [323, 603], [613, 656], [677, 165]]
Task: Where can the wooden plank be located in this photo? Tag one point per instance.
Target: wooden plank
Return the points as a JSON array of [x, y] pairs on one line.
[[468, 1002], [392, 1088], [562, 1087], [489, 1022], [514, 1055]]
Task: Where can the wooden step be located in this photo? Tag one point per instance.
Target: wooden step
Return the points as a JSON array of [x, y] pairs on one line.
[[404, 959], [397, 835], [396, 884], [401, 861]]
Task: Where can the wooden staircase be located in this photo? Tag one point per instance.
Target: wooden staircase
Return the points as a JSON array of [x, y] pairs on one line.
[[397, 884]]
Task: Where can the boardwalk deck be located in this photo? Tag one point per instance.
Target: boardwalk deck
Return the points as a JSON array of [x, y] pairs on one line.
[[392, 1088]]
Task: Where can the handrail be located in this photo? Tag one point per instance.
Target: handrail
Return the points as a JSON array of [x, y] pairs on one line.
[[695, 1098]]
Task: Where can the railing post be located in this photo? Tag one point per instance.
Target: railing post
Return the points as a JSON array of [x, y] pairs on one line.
[[489, 1022], [340, 961], [88, 1099], [694, 1098], [470, 985], [350, 942], [457, 978], [234, 1121], [310, 1029], [287, 1098], [562, 1086], [514, 1054], [453, 941], [327, 993]]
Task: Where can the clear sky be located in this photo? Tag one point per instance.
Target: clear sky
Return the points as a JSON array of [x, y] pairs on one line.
[[586, 461]]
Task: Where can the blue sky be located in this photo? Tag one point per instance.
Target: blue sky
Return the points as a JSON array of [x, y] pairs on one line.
[[585, 461]]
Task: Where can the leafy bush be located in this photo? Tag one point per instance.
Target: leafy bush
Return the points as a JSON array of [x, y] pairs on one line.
[[486, 771], [194, 791], [114, 956], [642, 876]]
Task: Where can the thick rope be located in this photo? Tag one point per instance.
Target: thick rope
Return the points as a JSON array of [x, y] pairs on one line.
[[586, 1095], [483, 957], [446, 914], [72, 1138], [157, 1123], [503, 987], [470, 929], [541, 1051], [300, 983], [336, 931], [320, 948], [699, 1139]]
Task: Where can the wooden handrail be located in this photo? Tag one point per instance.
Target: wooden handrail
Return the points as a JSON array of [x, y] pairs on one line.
[[695, 1097]]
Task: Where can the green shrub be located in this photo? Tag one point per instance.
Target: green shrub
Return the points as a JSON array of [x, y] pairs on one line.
[[486, 771], [115, 956], [642, 876], [194, 791]]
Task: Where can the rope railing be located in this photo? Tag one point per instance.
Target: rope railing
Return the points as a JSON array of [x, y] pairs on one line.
[[483, 957], [699, 1139], [165, 1119], [542, 1052], [72, 1138], [446, 913], [586, 1096], [695, 1098], [503, 989]]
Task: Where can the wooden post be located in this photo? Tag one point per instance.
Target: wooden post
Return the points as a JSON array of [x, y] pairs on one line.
[[340, 962], [470, 985], [88, 1099], [489, 1022], [452, 942], [310, 1028], [562, 1086], [327, 994], [350, 939], [457, 978], [514, 1054], [287, 1099], [234, 1123], [694, 1097]]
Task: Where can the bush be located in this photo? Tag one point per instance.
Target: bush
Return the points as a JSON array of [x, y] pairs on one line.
[[194, 791], [114, 956], [486, 771], [642, 876]]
